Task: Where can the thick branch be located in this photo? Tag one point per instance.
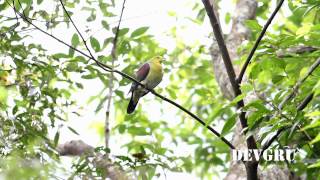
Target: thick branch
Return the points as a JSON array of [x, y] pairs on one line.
[[264, 30], [229, 67], [74, 148], [222, 46], [80, 148], [251, 167], [109, 69]]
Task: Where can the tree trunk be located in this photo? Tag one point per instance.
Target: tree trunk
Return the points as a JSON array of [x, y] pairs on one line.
[[245, 10]]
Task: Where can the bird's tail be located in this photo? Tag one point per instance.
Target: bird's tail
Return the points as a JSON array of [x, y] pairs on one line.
[[132, 104]]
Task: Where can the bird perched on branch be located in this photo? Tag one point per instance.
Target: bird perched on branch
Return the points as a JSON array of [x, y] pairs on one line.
[[149, 74]]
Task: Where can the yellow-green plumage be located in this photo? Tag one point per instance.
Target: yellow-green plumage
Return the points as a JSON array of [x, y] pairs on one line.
[[150, 74]]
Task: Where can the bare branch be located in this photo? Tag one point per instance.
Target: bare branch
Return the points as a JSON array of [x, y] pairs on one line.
[[114, 58], [300, 49], [79, 148], [305, 102], [109, 69], [74, 148], [222, 46], [251, 143], [74, 25], [264, 30]]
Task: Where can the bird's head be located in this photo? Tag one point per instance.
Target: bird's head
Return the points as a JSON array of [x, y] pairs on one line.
[[157, 59]]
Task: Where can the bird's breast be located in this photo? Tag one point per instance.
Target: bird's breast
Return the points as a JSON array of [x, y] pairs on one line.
[[155, 76]]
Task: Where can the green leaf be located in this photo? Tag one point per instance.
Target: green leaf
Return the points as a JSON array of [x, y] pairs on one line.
[[201, 15], [71, 52], [258, 105], [315, 165], [92, 16], [79, 85], [139, 31], [237, 99], [71, 67], [313, 114], [105, 24], [95, 44], [119, 93], [56, 138], [3, 94], [89, 76], [75, 40], [316, 139], [228, 125], [101, 104], [122, 31], [172, 93], [60, 55], [253, 25], [122, 128], [227, 18], [277, 78], [138, 131], [73, 130]]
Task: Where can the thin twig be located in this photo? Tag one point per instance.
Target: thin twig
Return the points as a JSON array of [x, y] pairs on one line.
[[113, 54], [15, 25], [264, 30], [305, 102], [74, 25], [114, 58], [109, 69], [300, 107], [14, 9], [298, 84]]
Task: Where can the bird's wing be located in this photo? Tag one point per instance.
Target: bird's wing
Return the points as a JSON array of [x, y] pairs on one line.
[[141, 75], [143, 72]]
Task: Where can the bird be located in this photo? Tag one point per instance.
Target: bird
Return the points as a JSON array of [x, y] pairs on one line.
[[149, 74]]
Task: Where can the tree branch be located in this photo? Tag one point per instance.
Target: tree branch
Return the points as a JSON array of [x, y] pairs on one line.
[[300, 49], [79, 148], [298, 84], [74, 148], [250, 166], [114, 58], [251, 143], [264, 30], [300, 107], [109, 69], [222, 46], [305, 102], [74, 25]]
